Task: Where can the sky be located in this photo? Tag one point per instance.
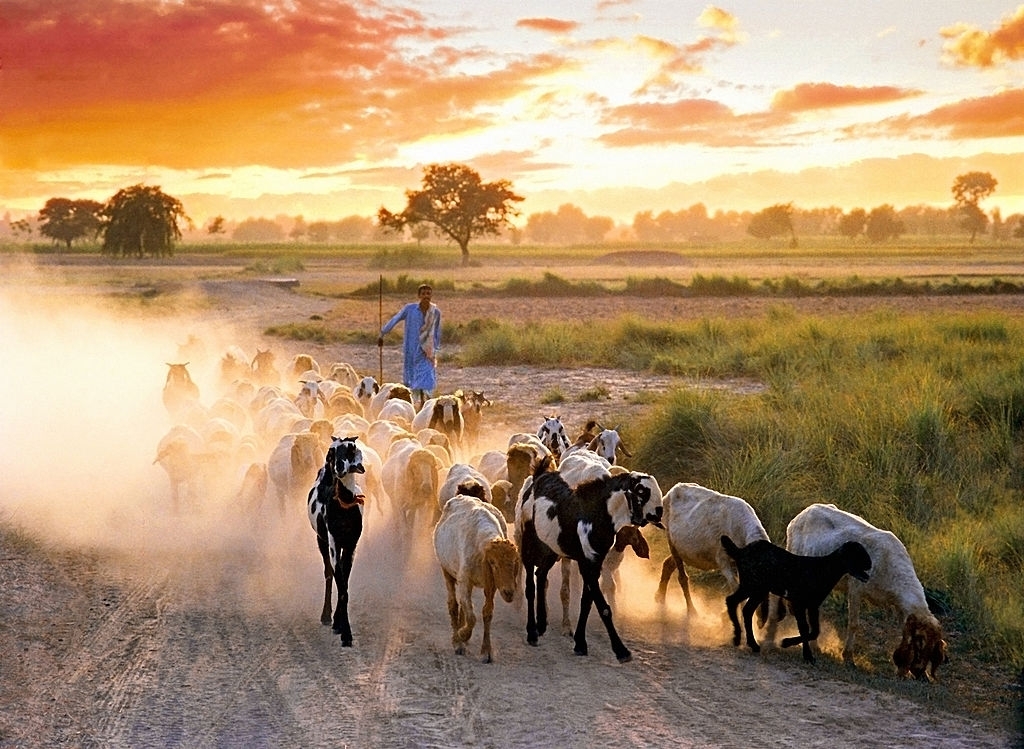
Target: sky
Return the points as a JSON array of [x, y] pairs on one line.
[[326, 109]]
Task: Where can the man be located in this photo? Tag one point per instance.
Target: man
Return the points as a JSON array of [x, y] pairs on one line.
[[421, 343]]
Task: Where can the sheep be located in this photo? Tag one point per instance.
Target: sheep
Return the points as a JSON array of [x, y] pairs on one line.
[[385, 393], [411, 480], [804, 581], [302, 364], [399, 411], [554, 520], [443, 413], [493, 464], [179, 454], [264, 372], [821, 528], [457, 474], [293, 464], [472, 546], [335, 510], [179, 389], [341, 402], [344, 373], [233, 411], [278, 417], [234, 365], [696, 518], [381, 434], [350, 424]]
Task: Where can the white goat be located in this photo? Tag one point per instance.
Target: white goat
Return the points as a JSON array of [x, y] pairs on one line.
[[823, 528], [696, 518], [472, 546]]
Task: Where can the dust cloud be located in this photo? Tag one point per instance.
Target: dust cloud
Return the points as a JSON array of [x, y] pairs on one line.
[[82, 415]]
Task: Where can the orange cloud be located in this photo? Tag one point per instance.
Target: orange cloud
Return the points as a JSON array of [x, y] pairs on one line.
[[997, 116], [970, 46], [222, 83], [807, 96], [550, 25], [701, 121]]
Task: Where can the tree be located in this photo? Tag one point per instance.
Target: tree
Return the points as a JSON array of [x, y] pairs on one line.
[[258, 230], [882, 224], [216, 225], [140, 220], [458, 203], [968, 191], [776, 220], [851, 225], [65, 220]]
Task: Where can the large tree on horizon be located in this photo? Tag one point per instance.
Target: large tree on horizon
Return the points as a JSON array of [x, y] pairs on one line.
[[458, 203], [142, 220]]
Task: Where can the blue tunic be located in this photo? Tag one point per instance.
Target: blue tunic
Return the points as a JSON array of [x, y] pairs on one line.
[[417, 371]]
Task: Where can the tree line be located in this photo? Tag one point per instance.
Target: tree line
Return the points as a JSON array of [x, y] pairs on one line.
[[454, 203]]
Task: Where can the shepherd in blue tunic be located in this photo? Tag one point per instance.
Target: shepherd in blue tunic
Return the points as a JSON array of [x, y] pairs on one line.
[[421, 343]]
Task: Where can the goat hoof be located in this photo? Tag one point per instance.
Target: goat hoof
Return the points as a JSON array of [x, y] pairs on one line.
[[325, 620], [460, 650], [755, 648], [486, 659], [625, 657], [346, 643], [579, 651]]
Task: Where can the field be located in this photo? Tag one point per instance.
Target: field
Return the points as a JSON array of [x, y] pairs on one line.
[[124, 623]]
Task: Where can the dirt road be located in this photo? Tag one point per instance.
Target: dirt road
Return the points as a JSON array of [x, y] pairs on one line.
[[124, 624]]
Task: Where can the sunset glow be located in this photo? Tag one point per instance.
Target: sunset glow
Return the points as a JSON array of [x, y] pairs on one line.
[[326, 109]]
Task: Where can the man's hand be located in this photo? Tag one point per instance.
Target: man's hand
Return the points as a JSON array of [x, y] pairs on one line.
[[380, 341]]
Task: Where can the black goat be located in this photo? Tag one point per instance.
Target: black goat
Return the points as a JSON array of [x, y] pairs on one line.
[[803, 581]]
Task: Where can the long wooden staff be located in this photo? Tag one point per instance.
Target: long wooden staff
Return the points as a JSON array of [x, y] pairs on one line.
[[380, 321]]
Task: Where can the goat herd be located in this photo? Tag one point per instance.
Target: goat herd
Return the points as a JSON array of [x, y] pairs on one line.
[[501, 513]]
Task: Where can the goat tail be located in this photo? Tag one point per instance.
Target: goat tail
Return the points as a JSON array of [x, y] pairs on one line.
[[729, 546]]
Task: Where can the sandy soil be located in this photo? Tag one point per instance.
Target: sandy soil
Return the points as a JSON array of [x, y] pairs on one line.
[[123, 623]]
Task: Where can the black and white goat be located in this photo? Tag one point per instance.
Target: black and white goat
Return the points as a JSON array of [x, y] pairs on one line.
[[803, 581], [554, 520], [335, 509], [552, 435]]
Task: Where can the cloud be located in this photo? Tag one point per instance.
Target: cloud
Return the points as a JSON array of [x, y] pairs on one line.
[[970, 46], [700, 121], [997, 116], [224, 83], [550, 25], [715, 18], [808, 96]]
